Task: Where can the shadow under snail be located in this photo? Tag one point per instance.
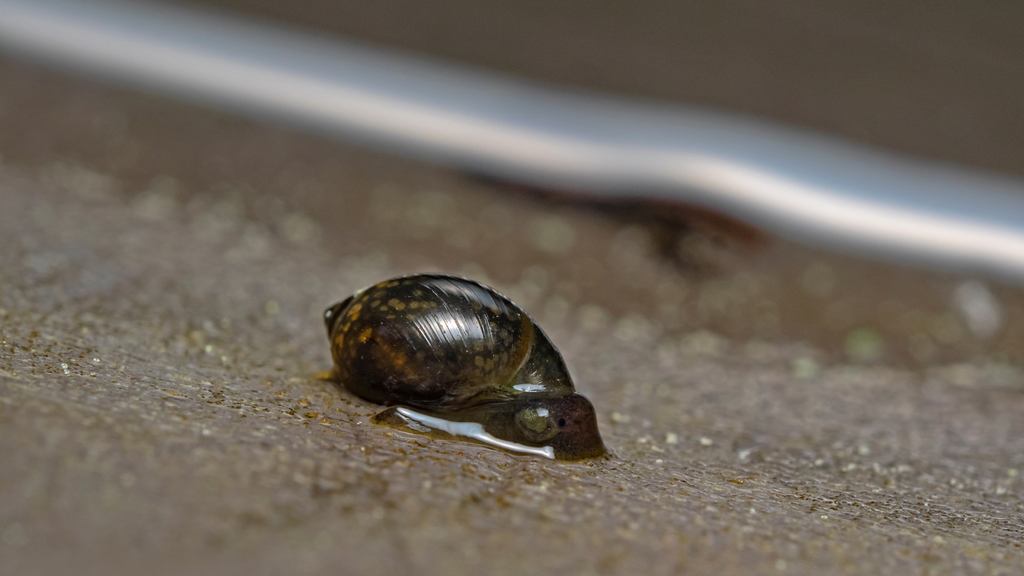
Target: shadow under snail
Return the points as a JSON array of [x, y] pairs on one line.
[[452, 356]]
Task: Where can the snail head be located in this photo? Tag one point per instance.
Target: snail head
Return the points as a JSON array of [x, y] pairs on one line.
[[568, 424]]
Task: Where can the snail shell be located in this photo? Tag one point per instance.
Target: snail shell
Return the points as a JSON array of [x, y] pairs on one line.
[[463, 353]]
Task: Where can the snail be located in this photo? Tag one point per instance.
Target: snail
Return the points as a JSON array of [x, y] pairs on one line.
[[452, 356]]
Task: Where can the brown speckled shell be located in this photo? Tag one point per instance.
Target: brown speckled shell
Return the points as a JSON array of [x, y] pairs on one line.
[[442, 343]]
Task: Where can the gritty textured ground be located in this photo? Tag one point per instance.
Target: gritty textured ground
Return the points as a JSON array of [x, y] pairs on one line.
[[157, 405], [770, 409]]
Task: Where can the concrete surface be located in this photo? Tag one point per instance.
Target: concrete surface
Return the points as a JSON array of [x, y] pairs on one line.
[[770, 409], [158, 411]]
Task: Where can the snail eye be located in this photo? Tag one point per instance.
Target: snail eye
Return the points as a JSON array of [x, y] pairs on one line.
[[536, 423], [561, 422]]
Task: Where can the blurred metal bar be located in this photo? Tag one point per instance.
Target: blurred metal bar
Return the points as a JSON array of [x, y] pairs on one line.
[[808, 187]]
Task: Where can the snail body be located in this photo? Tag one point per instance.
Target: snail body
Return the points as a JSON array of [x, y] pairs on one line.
[[459, 351], [561, 428]]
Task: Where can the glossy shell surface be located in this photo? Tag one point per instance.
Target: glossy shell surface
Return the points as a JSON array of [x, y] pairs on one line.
[[442, 343], [459, 349]]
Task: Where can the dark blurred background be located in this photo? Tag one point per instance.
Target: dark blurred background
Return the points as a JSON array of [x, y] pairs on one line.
[[936, 79]]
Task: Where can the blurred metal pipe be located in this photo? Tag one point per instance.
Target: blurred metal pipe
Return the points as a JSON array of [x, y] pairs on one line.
[[808, 187]]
